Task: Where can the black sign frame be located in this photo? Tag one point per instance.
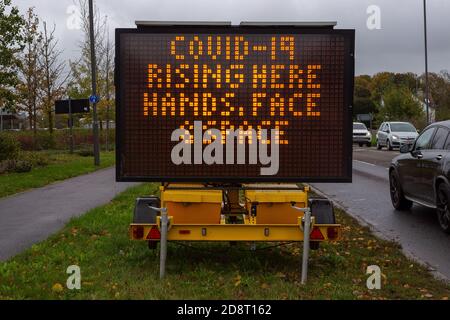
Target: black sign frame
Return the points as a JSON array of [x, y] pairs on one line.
[[349, 73], [76, 106]]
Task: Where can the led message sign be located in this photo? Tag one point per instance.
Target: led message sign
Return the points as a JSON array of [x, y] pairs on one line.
[[234, 104]]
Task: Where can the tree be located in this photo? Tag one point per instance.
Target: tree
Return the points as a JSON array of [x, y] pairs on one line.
[[80, 83], [11, 43], [439, 86], [30, 70], [362, 102], [53, 85], [399, 104]]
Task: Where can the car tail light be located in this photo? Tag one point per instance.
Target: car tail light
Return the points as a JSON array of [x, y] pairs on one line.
[[154, 234], [316, 234]]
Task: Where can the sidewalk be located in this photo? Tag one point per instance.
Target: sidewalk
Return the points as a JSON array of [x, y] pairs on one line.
[[32, 216]]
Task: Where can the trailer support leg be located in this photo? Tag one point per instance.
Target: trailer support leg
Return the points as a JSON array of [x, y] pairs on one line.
[[305, 257], [163, 244]]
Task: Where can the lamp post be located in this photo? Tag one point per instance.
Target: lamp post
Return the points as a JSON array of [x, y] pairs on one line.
[[427, 99], [94, 84]]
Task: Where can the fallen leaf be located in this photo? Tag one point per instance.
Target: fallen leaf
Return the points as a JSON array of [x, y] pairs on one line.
[[57, 287], [264, 286]]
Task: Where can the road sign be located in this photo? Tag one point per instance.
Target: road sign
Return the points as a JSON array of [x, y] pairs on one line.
[[94, 99], [208, 81], [77, 106]]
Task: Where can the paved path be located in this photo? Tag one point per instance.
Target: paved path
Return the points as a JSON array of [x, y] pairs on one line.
[[31, 216]]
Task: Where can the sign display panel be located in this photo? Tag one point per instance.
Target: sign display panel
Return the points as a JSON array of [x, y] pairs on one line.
[[75, 106], [234, 104]]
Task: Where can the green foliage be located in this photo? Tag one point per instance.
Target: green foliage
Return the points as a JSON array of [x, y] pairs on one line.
[[59, 140], [37, 159], [23, 166], [11, 42], [400, 105], [362, 102], [9, 147], [86, 152]]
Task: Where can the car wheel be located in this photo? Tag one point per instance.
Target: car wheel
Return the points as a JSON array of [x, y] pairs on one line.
[[399, 202], [378, 146], [360, 144], [443, 207], [389, 146], [368, 144]]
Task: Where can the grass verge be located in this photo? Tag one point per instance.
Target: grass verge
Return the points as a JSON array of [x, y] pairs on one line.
[[114, 267], [62, 166]]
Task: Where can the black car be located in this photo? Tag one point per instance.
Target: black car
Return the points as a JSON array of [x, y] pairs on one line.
[[421, 173]]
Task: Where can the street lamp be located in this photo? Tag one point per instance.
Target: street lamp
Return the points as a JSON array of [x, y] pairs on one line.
[[94, 84], [427, 100]]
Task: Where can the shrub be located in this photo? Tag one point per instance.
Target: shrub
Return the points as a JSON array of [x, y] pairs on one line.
[[7, 166], [9, 147], [86, 153], [23, 166], [37, 159]]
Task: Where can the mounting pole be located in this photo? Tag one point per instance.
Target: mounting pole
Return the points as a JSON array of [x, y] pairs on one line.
[[94, 84], [163, 243], [306, 234]]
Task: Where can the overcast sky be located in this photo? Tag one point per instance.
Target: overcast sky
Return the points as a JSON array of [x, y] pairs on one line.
[[397, 46]]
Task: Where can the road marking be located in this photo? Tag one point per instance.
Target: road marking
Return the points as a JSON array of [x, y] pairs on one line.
[[370, 164]]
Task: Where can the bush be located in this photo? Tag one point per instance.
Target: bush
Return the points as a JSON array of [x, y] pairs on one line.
[[86, 153], [9, 147], [7, 166], [37, 159], [23, 166]]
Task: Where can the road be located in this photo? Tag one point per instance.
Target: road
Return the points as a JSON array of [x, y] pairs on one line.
[[32, 216], [368, 199]]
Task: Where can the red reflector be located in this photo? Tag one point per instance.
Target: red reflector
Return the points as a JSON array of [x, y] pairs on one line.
[[316, 234], [154, 233], [184, 232], [138, 232], [333, 233]]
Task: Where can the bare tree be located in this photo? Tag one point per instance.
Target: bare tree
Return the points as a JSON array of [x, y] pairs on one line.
[[80, 82], [53, 73], [30, 71]]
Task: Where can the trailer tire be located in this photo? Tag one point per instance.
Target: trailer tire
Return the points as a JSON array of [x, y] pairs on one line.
[[142, 211], [322, 211]]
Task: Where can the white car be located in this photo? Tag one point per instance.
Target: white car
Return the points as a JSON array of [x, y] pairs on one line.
[[361, 135], [395, 134]]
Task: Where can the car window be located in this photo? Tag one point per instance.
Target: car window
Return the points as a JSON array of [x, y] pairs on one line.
[[381, 127], [359, 126], [439, 139], [402, 127], [447, 143], [424, 139]]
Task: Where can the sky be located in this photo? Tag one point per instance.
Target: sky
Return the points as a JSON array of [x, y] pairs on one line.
[[394, 42]]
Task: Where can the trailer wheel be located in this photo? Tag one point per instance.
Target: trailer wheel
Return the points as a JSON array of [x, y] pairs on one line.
[[322, 211], [142, 211]]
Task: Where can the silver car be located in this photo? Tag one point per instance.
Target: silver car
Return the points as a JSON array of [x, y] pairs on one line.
[[361, 135], [395, 134]]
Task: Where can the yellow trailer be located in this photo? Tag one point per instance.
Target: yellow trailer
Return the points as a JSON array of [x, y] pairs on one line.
[[250, 213]]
